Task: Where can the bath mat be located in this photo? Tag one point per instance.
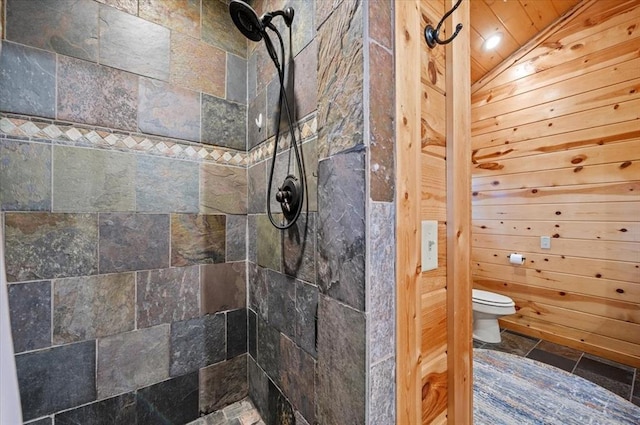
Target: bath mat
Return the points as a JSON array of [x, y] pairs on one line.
[[513, 390]]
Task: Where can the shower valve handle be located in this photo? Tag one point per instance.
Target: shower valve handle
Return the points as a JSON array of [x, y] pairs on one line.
[[283, 195]]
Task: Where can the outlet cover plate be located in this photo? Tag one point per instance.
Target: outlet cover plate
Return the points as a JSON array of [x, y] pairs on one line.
[[429, 245], [545, 242]]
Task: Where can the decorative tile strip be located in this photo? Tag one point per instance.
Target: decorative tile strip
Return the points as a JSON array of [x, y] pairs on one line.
[[30, 128], [306, 128]]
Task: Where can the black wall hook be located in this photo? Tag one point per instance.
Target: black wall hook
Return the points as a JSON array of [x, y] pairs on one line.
[[432, 34]]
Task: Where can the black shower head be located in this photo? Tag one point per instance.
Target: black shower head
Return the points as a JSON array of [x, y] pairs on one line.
[[246, 20]]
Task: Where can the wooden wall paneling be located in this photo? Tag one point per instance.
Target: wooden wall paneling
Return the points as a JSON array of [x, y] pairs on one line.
[[434, 324], [515, 20], [609, 133], [433, 60], [579, 266], [614, 309], [485, 60], [592, 211], [624, 111], [433, 122], [409, 371], [525, 49], [619, 153], [433, 204], [609, 95], [599, 17], [486, 24], [614, 349], [597, 287], [562, 6], [622, 72], [613, 270], [540, 12], [604, 250], [605, 192], [587, 230], [459, 344], [564, 70], [578, 175], [618, 329], [602, 36], [435, 390]]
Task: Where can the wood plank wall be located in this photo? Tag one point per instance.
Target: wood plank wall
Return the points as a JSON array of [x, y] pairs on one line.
[[433, 206], [556, 152], [408, 358]]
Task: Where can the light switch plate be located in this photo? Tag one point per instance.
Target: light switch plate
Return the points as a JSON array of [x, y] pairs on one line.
[[545, 242], [429, 245]]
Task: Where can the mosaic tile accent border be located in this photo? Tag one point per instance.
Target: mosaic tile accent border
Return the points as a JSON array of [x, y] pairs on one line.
[[306, 128], [30, 128]]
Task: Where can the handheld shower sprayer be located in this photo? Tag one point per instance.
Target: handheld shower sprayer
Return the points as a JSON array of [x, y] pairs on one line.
[[291, 193]]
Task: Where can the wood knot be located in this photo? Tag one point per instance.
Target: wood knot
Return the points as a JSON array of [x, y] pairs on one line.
[[578, 159], [598, 275], [577, 46], [433, 72], [558, 212], [616, 106], [562, 294], [625, 164], [620, 291], [407, 35], [556, 236], [491, 166], [534, 190], [578, 169]]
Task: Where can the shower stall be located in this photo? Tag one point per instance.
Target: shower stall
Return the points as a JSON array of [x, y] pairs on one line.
[[146, 281]]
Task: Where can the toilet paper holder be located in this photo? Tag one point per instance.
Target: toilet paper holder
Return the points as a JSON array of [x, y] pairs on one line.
[[516, 259], [509, 256]]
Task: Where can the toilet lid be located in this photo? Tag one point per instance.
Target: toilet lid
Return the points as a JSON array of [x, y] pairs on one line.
[[490, 298]]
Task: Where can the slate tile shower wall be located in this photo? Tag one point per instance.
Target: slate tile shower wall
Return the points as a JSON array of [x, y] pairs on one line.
[[321, 294], [123, 191]]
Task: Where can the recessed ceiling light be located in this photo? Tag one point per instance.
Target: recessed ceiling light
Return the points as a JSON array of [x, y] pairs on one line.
[[491, 42]]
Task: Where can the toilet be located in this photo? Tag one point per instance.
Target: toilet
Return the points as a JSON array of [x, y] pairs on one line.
[[487, 308]]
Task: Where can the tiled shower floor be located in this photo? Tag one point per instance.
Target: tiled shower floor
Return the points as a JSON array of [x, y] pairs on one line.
[[618, 378], [242, 412]]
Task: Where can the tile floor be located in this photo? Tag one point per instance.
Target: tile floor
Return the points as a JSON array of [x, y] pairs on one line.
[[621, 379], [616, 377], [242, 412]]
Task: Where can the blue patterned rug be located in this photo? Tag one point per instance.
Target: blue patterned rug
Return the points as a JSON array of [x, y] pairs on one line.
[[513, 390]]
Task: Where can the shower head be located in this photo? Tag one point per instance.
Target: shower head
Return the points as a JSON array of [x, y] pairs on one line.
[[246, 20]]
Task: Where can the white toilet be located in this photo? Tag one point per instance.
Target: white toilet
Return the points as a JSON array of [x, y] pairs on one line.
[[487, 308]]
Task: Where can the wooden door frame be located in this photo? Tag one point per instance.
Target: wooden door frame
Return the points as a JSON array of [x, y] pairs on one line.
[[408, 42]]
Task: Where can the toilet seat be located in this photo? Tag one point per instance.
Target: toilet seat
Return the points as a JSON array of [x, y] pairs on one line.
[[491, 299]]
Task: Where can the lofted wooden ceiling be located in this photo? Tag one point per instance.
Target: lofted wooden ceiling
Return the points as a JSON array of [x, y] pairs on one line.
[[518, 20]]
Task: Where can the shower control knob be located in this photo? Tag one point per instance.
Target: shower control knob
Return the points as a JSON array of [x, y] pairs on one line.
[[283, 195], [289, 196]]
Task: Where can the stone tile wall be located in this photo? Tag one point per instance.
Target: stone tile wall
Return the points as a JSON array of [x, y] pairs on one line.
[[106, 183], [167, 68], [322, 294], [125, 235]]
